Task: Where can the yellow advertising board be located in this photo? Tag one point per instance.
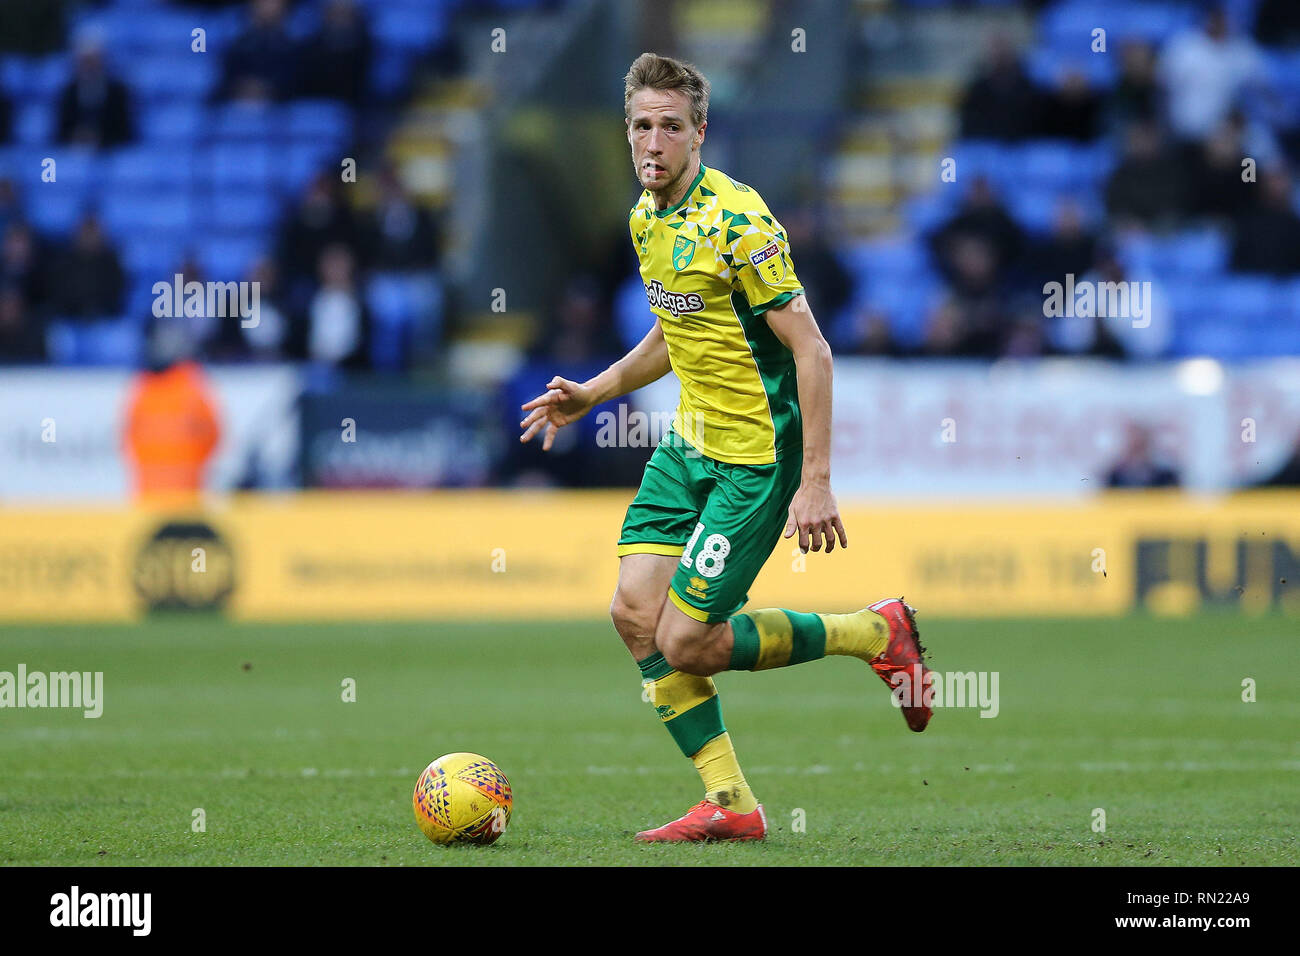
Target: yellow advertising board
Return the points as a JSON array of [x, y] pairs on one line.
[[535, 554]]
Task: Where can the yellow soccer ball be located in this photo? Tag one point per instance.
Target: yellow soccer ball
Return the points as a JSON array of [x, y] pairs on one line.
[[462, 798]]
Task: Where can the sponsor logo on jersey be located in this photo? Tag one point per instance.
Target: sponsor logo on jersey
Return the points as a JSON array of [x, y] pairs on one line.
[[683, 252], [769, 263], [676, 303]]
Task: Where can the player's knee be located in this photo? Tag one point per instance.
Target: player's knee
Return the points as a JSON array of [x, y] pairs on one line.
[[681, 652], [632, 618]]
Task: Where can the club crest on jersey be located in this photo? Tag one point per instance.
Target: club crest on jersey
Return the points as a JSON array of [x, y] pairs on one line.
[[769, 263], [683, 252]]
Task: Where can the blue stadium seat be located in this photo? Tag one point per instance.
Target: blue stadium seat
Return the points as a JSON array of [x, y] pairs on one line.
[[127, 213], [246, 121], [168, 77], [906, 306], [927, 211], [893, 259], [1201, 252], [319, 120], [148, 166], [1048, 66], [150, 255], [227, 259], [36, 79], [114, 341], [77, 170], [395, 27], [1190, 298], [1034, 209], [229, 167], [57, 213], [302, 162], [34, 122], [251, 211], [170, 122], [1246, 300], [1067, 27]]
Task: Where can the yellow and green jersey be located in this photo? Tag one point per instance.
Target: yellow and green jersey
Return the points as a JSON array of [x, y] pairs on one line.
[[711, 266]]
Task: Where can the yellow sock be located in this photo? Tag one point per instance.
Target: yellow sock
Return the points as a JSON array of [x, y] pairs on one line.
[[724, 784], [862, 634]]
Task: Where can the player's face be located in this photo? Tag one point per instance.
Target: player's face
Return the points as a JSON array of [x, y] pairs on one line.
[[664, 143]]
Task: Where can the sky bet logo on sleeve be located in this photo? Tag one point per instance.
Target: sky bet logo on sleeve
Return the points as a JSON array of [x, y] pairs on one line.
[[676, 303], [769, 263]]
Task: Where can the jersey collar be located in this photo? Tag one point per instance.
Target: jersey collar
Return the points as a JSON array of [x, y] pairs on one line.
[[665, 213]]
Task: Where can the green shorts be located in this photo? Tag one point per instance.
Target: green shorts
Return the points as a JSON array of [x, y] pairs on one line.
[[722, 519]]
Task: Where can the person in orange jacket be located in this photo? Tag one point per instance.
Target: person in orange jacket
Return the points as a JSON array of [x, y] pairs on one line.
[[172, 430]]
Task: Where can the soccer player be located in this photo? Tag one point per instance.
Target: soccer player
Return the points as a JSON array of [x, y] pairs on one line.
[[748, 455]]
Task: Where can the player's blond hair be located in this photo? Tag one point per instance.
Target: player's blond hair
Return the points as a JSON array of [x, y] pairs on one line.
[[650, 71]]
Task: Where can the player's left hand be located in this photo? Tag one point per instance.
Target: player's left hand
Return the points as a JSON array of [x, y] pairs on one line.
[[815, 514]]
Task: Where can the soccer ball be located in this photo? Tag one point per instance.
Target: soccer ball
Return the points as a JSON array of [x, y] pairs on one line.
[[462, 798]]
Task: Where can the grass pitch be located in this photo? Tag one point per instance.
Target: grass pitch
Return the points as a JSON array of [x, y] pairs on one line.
[[1140, 717]]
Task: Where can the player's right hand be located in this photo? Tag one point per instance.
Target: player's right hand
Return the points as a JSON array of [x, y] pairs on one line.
[[564, 403]]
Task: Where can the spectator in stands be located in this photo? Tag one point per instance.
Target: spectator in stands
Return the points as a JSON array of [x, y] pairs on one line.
[[1137, 467], [1277, 23], [581, 329], [999, 102], [94, 108], [1069, 249], [1205, 71], [981, 217], [1217, 190], [1124, 315], [949, 331], [270, 339], [10, 208], [826, 282], [399, 235], [1136, 97], [1147, 187], [871, 335], [336, 61], [338, 323], [22, 332], [1071, 112], [1025, 336], [87, 277], [261, 63], [1268, 237], [24, 265], [322, 219]]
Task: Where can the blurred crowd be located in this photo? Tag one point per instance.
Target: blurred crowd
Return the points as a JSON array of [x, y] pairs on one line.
[[318, 279], [1180, 121]]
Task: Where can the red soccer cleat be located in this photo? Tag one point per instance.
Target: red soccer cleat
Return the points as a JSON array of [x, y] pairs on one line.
[[708, 823], [901, 664]]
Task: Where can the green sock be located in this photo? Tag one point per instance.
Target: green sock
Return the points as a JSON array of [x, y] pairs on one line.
[[688, 705], [774, 637]]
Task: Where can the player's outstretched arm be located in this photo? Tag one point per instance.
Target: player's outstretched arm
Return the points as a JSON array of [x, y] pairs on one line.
[[565, 402], [814, 511]]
